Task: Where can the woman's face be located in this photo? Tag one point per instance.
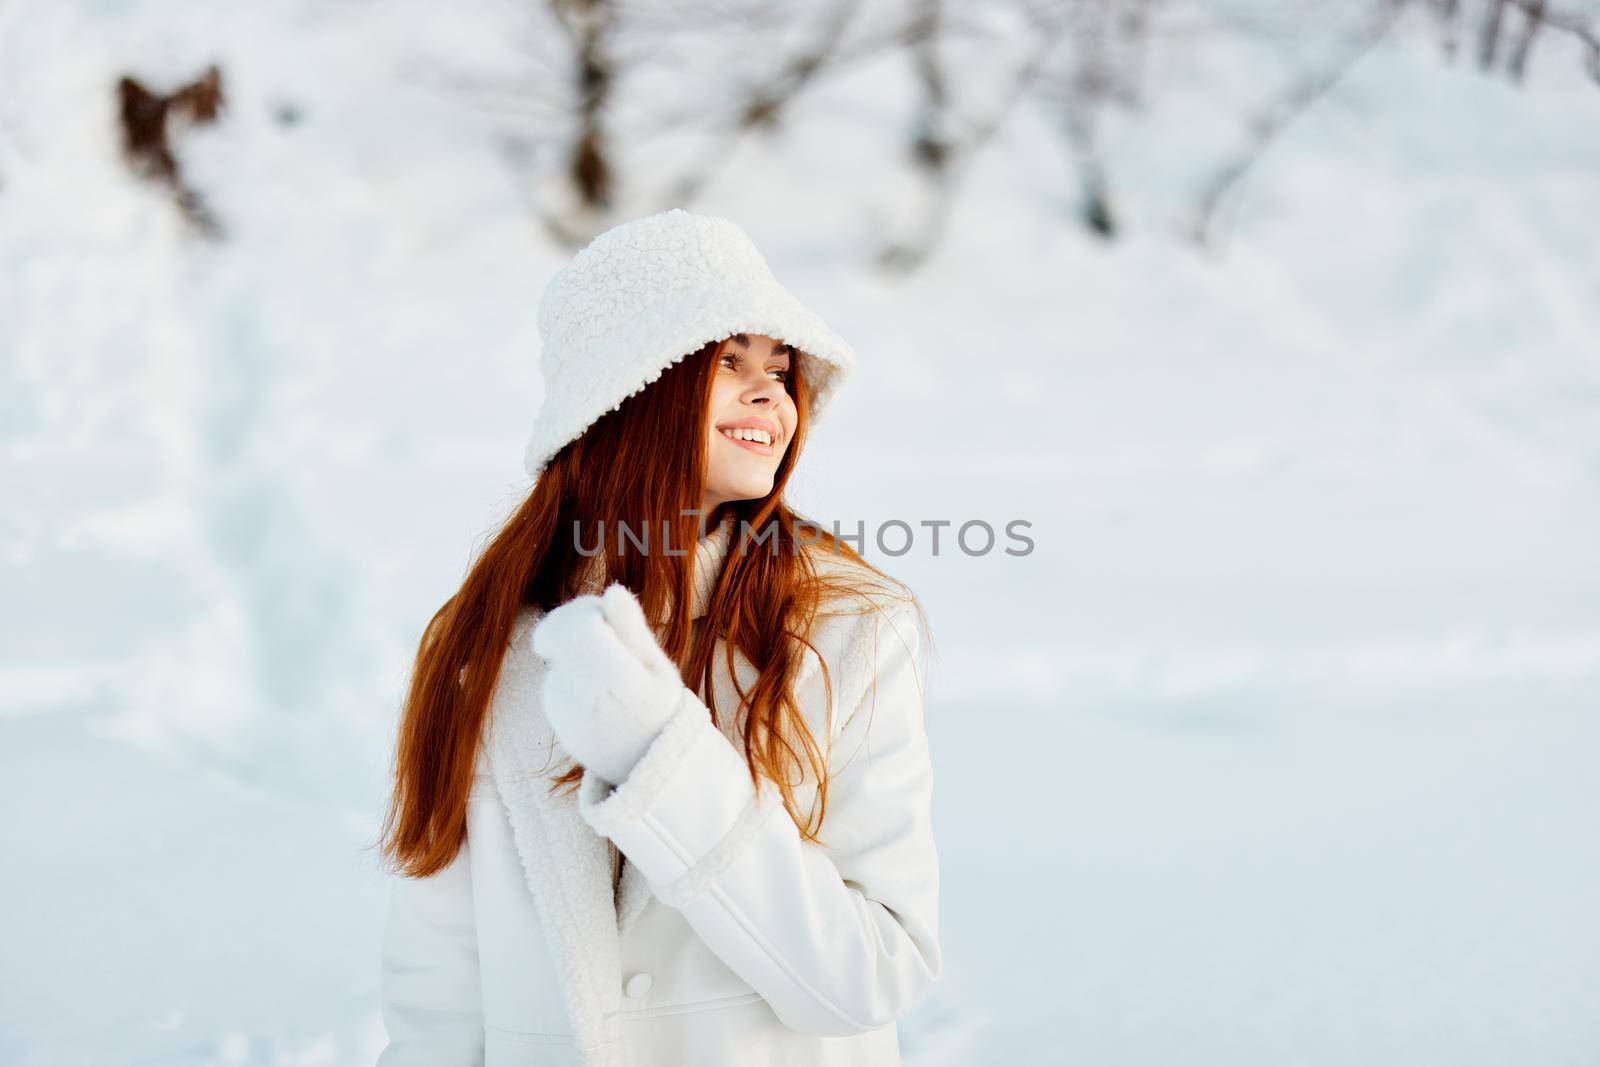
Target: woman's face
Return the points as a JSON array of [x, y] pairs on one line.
[[748, 396]]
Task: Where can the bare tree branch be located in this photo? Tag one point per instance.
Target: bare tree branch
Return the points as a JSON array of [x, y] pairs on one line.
[[906, 255], [762, 108], [1565, 22], [1532, 19], [1269, 126], [1489, 33], [930, 142], [1535, 16]]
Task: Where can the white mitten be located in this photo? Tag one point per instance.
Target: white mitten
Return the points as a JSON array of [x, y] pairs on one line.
[[610, 688]]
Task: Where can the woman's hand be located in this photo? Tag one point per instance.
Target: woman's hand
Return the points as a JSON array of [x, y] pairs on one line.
[[610, 688]]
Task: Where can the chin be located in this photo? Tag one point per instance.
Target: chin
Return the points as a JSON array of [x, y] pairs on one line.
[[749, 492]]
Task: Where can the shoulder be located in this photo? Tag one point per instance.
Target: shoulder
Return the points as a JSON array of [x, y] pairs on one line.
[[519, 656], [853, 588], [527, 617], [866, 619], [516, 685]]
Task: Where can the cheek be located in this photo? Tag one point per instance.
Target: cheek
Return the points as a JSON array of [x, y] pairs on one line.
[[724, 395]]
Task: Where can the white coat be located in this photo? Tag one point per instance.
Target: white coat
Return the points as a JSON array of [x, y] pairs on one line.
[[728, 939]]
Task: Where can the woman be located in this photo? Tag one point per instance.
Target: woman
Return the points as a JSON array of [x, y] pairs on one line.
[[630, 834]]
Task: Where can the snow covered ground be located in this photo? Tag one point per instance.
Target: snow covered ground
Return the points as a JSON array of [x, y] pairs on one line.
[[1277, 749]]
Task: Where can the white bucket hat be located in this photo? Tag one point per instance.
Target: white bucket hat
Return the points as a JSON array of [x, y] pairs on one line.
[[645, 294]]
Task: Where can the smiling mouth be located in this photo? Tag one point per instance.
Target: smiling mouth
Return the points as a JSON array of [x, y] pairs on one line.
[[757, 447]]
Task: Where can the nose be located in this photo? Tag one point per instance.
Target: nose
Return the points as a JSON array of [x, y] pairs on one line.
[[768, 391]]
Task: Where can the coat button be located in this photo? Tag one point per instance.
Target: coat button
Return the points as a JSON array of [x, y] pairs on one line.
[[637, 986]]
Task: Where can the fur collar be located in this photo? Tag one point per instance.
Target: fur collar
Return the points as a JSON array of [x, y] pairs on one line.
[[709, 555], [569, 868]]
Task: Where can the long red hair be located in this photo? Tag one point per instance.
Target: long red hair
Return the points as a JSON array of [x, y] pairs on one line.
[[621, 471]]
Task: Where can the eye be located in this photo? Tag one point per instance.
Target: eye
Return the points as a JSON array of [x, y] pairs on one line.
[[736, 360]]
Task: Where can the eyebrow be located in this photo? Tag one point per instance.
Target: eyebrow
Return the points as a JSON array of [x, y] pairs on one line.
[[743, 341]]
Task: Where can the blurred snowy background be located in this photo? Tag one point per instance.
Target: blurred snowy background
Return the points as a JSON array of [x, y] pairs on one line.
[[1277, 320]]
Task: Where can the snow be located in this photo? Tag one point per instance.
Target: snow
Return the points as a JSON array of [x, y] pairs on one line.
[[1277, 748]]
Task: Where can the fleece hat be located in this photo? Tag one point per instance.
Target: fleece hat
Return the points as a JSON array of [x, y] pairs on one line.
[[645, 294]]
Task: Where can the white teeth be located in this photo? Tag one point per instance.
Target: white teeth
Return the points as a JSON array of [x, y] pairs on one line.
[[761, 437]]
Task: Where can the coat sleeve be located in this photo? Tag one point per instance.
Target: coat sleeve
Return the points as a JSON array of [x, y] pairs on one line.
[[839, 938], [431, 1002]]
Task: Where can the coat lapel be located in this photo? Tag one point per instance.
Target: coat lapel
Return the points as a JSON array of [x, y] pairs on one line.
[[632, 895], [566, 864], [568, 867]]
